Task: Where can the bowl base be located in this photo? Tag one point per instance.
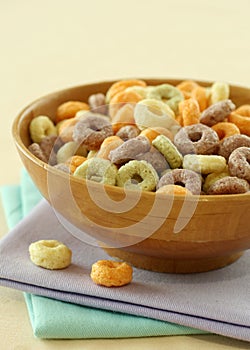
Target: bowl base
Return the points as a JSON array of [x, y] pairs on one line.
[[170, 265]]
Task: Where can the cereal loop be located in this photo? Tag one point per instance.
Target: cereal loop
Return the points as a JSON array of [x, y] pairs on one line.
[[124, 116], [121, 85], [228, 185], [219, 91], [98, 170], [50, 254], [69, 109], [182, 177], [229, 144], [217, 112], [120, 99], [213, 177], [152, 133], [70, 149], [92, 131], [97, 103], [169, 151], [239, 163], [225, 129], [111, 273], [151, 112], [197, 138], [137, 175], [41, 127], [74, 162], [155, 158], [66, 128], [199, 94], [190, 111], [168, 94], [186, 87], [174, 190], [204, 164], [241, 118], [109, 144], [128, 132], [129, 150]]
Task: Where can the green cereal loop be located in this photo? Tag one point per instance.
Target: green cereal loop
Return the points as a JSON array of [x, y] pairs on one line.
[[212, 178], [98, 170], [168, 149], [140, 171], [204, 164], [169, 93]]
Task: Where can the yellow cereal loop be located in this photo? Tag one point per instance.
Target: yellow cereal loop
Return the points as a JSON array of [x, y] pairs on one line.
[[41, 127], [204, 164], [213, 177], [149, 113], [70, 149], [219, 91], [50, 254]]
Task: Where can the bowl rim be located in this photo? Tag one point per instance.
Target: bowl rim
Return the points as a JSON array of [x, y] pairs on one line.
[[21, 147]]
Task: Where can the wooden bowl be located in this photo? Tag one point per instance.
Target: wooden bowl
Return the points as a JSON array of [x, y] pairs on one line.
[[175, 235]]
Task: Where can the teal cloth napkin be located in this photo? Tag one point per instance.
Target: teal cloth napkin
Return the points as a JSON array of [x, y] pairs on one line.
[[53, 319]]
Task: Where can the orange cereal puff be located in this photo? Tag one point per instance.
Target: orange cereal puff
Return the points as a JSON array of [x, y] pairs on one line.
[[109, 144], [186, 87], [119, 99], [199, 94], [121, 85], [65, 129], [226, 129], [241, 118], [174, 189], [74, 162], [152, 133], [190, 111], [69, 109], [111, 273]]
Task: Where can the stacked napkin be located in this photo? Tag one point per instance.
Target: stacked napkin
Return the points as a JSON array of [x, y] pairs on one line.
[[51, 318], [216, 301]]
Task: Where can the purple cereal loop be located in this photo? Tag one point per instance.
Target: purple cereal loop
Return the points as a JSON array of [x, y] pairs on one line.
[[229, 144], [35, 149], [239, 163], [217, 112], [190, 179], [196, 139], [155, 158], [91, 131], [97, 103], [128, 132], [129, 150], [228, 185]]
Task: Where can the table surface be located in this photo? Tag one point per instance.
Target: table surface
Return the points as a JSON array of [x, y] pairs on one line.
[[49, 45]]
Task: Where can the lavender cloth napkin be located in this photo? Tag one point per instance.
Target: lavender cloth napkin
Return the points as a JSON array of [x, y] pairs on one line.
[[216, 301]]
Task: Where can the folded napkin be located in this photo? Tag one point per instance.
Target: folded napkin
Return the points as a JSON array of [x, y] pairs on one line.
[[51, 318]]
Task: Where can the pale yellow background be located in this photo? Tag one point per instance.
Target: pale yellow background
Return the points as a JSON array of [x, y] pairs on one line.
[[49, 45]]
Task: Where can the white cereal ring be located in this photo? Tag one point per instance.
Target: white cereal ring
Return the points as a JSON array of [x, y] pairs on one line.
[[219, 91], [169, 94], [149, 113], [50, 254], [111, 273], [70, 149], [137, 174], [41, 127], [204, 164]]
